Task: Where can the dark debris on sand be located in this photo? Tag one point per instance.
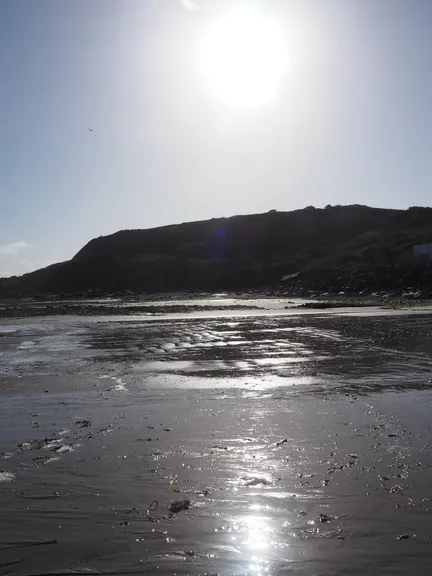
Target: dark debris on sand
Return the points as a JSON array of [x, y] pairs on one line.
[[179, 505]]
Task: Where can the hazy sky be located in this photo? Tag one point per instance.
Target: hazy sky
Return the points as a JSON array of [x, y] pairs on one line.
[[350, 122]]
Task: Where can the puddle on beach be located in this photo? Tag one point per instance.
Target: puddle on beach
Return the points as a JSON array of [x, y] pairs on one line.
[[300, 445]]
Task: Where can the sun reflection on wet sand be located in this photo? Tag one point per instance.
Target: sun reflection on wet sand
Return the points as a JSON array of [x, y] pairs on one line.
[[252, 535], [257, 542]]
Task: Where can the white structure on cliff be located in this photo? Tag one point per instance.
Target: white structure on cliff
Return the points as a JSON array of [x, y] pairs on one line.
[[422, 251]]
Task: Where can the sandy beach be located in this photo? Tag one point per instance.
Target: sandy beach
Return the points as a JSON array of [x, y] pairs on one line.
[[234, 443]]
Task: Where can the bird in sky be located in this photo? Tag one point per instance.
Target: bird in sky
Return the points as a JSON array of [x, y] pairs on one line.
[[90, 129]]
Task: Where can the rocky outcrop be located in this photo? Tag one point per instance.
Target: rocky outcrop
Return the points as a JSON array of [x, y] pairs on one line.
[[339, 248]]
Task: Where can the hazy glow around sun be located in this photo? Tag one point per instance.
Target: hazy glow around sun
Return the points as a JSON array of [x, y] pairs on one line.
[[243, 57]]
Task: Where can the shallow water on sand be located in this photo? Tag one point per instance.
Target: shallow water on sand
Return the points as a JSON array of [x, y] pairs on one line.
[[301, 444]]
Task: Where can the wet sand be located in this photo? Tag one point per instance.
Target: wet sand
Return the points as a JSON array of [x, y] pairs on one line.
[[301, 443]]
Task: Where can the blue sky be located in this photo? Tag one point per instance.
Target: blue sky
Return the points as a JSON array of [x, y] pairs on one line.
[[350, 122]]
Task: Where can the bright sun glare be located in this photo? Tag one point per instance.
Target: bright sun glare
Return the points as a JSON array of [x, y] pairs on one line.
[[243, 57]]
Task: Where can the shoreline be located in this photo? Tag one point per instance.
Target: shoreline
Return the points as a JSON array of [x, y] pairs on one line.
[[218, 305], [299, 438]]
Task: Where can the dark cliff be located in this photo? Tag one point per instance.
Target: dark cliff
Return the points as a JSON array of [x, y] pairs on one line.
[[330, 246]]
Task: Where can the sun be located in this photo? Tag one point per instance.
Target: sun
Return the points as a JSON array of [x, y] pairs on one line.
[[243, 57]]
